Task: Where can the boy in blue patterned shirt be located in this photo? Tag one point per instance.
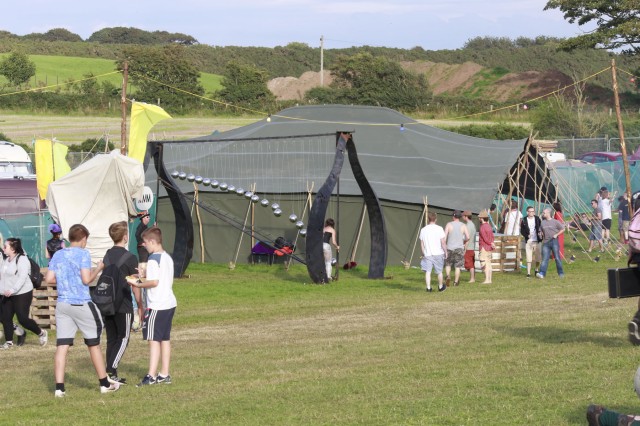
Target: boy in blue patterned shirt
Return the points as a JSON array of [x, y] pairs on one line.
[[70, 269]]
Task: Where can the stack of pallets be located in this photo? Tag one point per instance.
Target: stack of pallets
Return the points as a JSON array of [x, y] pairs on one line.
[[43, 307]]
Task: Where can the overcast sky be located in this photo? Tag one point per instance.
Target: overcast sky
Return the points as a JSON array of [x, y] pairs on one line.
[[431, 24]]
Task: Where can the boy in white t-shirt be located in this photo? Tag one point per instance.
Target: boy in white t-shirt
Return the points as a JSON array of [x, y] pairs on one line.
[[161, 306]]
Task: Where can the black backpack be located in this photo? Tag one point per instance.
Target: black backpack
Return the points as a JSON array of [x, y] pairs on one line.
[[35, 275], [107, 293]]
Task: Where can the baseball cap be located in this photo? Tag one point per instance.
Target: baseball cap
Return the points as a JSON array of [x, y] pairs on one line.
[[456, 213], [54, 228], [467, 213]]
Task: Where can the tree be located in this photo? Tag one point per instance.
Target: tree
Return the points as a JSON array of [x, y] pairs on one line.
[[17, 68], [56, 34], [246, 85], [124, 35], [60, 34], [365, 79], [618, 23], [565, 114], [165, 74]]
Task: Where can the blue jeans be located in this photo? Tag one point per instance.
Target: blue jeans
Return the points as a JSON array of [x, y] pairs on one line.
[[547, 248]]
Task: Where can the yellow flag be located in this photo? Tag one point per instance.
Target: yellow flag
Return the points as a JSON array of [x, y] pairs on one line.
[[44, 166], [143, 118], [51, 164], [60, 165]]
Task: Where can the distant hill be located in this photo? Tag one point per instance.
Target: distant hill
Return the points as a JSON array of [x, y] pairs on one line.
[[468, 80], [486, 68]]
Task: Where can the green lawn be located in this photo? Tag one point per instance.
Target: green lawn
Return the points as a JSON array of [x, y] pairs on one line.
[[260, 345], [52, 70]]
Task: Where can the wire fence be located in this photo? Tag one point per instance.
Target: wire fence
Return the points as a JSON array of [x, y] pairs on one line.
[[575, 147], [73, 158]]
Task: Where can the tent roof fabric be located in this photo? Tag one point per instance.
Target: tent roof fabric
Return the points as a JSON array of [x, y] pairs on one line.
[[403, 159]]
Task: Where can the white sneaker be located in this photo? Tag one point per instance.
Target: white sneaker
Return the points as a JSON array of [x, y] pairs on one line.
[[44, 337], [112, 388], [7, 345], [59, 393]]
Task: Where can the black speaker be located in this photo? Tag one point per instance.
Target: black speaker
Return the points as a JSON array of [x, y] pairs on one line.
[[623, 282]]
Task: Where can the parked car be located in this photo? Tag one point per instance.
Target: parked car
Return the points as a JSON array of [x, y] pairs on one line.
[[600, 157]]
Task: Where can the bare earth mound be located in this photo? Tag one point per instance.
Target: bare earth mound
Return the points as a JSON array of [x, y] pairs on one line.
[[528, 85], [453, 79], [291, 88], [444, 78]]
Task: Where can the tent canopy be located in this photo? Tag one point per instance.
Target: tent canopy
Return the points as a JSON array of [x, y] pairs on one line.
[[403, 159], [96, 194]]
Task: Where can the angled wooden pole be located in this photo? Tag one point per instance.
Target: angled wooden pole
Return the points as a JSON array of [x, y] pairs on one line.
[[623, 145], [123, 109]]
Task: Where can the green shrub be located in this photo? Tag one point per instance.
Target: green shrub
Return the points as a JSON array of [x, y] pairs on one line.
[[91, 145], [501, 131]]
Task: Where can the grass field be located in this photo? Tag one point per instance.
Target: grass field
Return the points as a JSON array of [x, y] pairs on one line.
[[23, 128], [52, 70], [260, 345], [76, 129]]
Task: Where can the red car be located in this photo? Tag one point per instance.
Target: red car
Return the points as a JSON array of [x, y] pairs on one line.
[[600, 157]]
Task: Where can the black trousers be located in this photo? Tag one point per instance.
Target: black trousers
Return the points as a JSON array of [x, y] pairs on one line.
[[19, 305], [118, 328]]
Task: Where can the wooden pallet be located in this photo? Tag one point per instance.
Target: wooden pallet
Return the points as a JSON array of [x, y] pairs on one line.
[[43, 307], [506, 256]]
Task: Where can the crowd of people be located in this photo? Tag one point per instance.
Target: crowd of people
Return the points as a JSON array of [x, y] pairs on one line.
[[454, 245], [542, 237], [71, 270]]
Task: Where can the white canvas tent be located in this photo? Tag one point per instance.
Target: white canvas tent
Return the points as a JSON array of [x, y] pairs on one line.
[[97, 194]]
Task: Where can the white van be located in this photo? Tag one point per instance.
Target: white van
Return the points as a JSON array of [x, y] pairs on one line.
[[15, 162], [554, 156]]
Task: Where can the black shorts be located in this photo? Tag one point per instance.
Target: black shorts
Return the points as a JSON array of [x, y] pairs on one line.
[[606, 223], [156, 325]]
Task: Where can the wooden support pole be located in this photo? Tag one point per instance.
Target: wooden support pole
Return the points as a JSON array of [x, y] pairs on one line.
[[623, 145], [197, 205], [123, 108]]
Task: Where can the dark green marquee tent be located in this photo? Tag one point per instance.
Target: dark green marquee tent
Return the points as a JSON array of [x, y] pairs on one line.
[[289, 154]]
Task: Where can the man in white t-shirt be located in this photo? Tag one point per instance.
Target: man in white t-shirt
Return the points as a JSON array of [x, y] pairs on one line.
[[434, 250], [604, 204], [161, 306], [512, 219]]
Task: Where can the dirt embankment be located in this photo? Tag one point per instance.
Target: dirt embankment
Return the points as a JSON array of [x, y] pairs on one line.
[[292, 88], [451, 79]]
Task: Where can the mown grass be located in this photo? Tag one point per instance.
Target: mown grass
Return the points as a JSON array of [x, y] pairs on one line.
[[51, 70], [76, 129], [260, 345]]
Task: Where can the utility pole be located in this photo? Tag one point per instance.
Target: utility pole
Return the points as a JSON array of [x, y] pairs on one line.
[[123, 107], [321, 61], [623, 145]]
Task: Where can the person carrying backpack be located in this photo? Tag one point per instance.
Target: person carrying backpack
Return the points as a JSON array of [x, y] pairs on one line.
[[16, 290], [118, 325]]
